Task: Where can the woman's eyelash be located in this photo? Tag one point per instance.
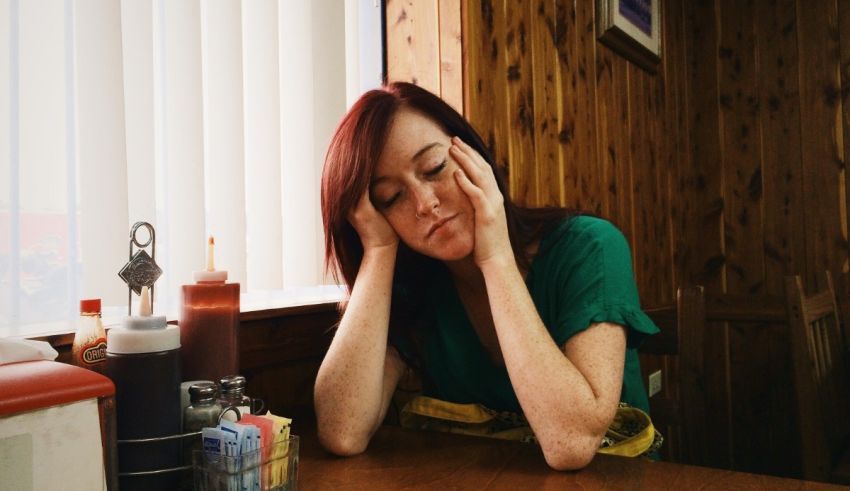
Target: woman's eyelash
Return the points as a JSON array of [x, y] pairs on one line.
[[436, 170], [431, 173], [388, 202]]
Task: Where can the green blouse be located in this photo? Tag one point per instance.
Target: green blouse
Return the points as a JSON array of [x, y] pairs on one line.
[[582, 274]]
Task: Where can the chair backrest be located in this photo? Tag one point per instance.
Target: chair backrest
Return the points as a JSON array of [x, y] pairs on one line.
[[686, 328], [682, 334], [842, 292], [820, 375]]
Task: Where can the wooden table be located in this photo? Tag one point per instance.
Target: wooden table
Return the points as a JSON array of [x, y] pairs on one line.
[[402, 459]]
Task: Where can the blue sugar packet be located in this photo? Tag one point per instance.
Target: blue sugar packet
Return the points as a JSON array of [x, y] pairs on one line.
[[213, 441]]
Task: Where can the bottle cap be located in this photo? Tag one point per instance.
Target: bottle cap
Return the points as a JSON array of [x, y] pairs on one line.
[[91, 305], [232, 382], [202, 392], [217, 276]]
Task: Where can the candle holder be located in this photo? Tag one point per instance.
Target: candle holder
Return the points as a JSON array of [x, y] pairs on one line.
[[141, 268]]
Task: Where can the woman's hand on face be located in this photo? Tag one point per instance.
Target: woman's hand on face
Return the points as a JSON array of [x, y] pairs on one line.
[[475, 177], [374, 230]]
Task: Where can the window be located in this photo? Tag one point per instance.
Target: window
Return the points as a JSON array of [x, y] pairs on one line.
[[201, 117]]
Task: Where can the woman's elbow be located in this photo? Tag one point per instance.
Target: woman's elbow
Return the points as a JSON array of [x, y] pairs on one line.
[[561, 457], [344, 445]]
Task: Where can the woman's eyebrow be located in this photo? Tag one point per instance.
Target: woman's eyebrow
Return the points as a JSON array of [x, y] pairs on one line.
[[424, 149]]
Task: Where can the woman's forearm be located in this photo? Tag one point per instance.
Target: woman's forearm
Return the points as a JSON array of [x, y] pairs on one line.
[[350, 386], [567, 413]]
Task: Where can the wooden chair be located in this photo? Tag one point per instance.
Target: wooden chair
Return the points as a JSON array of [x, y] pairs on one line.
[[821, 382], [682, 330], [681, 409], [842, 290]]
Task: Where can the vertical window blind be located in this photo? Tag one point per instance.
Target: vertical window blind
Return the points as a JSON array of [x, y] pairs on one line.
[[201, 117]]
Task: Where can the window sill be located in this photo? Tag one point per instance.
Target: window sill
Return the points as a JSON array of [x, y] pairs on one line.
[[253, 306]]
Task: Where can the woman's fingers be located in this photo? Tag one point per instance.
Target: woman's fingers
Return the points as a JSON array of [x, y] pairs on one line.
[[474, 171], [471, 152], [476, 195], [477, 170]]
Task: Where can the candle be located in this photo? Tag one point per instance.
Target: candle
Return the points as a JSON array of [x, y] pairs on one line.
[[145, 320], [210, 274], [211, 254], [145, 302]]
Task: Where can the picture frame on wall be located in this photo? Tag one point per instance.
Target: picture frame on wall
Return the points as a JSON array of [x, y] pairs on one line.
[[632, 28]]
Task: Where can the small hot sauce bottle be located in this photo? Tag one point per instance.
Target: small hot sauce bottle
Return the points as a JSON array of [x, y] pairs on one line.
[[89, 349], [209, 324]]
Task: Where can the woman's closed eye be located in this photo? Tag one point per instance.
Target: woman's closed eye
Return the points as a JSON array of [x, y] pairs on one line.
[[386, 203], [436, 170]]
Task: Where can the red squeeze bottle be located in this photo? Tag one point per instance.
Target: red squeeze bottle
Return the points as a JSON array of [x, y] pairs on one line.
[[209, 324], [89, 349]]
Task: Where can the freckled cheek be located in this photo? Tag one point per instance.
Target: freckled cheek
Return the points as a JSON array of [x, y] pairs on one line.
[[403, 221], [450, 192]]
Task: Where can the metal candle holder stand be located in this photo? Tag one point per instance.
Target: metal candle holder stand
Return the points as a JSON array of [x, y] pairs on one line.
[[141, 268]]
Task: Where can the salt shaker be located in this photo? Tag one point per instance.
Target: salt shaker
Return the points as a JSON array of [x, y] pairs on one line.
[[204, 409], [233, 395]]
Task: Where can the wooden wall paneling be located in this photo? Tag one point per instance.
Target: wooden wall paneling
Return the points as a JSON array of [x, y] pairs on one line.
[[565, 15], [778, 68], [782, 202], [486, 75], [590, 179], [820, 111], [612, 109], [643, 183], [413, 46], [625, 201], [544, 56], [451, 53], [479, 91], [685, 208], [607, 135], [661, 148], [676, 159], [740, 131], [844, 33], [750, 372], [280, 357], [635, 163], [705, 264], [520, 104], [669, 131]]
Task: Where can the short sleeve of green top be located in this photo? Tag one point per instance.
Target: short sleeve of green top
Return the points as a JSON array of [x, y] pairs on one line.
[[581, 275]]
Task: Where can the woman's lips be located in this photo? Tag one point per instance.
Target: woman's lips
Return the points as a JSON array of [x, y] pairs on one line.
[[437, 225]]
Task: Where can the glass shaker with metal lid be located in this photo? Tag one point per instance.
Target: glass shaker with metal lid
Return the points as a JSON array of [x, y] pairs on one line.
[[233, 395], [204, 409]]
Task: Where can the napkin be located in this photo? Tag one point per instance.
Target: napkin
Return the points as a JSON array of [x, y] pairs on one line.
[[15, 350]]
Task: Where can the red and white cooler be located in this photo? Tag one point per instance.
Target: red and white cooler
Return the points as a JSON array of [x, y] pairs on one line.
[[57, 428]]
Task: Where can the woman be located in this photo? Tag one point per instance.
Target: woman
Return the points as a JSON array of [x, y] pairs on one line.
[[533, 311]]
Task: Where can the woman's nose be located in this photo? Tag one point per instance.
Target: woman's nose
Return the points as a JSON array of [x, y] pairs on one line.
[[426, 202]]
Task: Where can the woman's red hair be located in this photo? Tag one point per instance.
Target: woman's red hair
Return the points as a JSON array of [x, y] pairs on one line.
[[354, 152], [351, 159]]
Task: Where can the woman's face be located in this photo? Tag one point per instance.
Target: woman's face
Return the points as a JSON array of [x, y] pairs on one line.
[[415, 189]]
